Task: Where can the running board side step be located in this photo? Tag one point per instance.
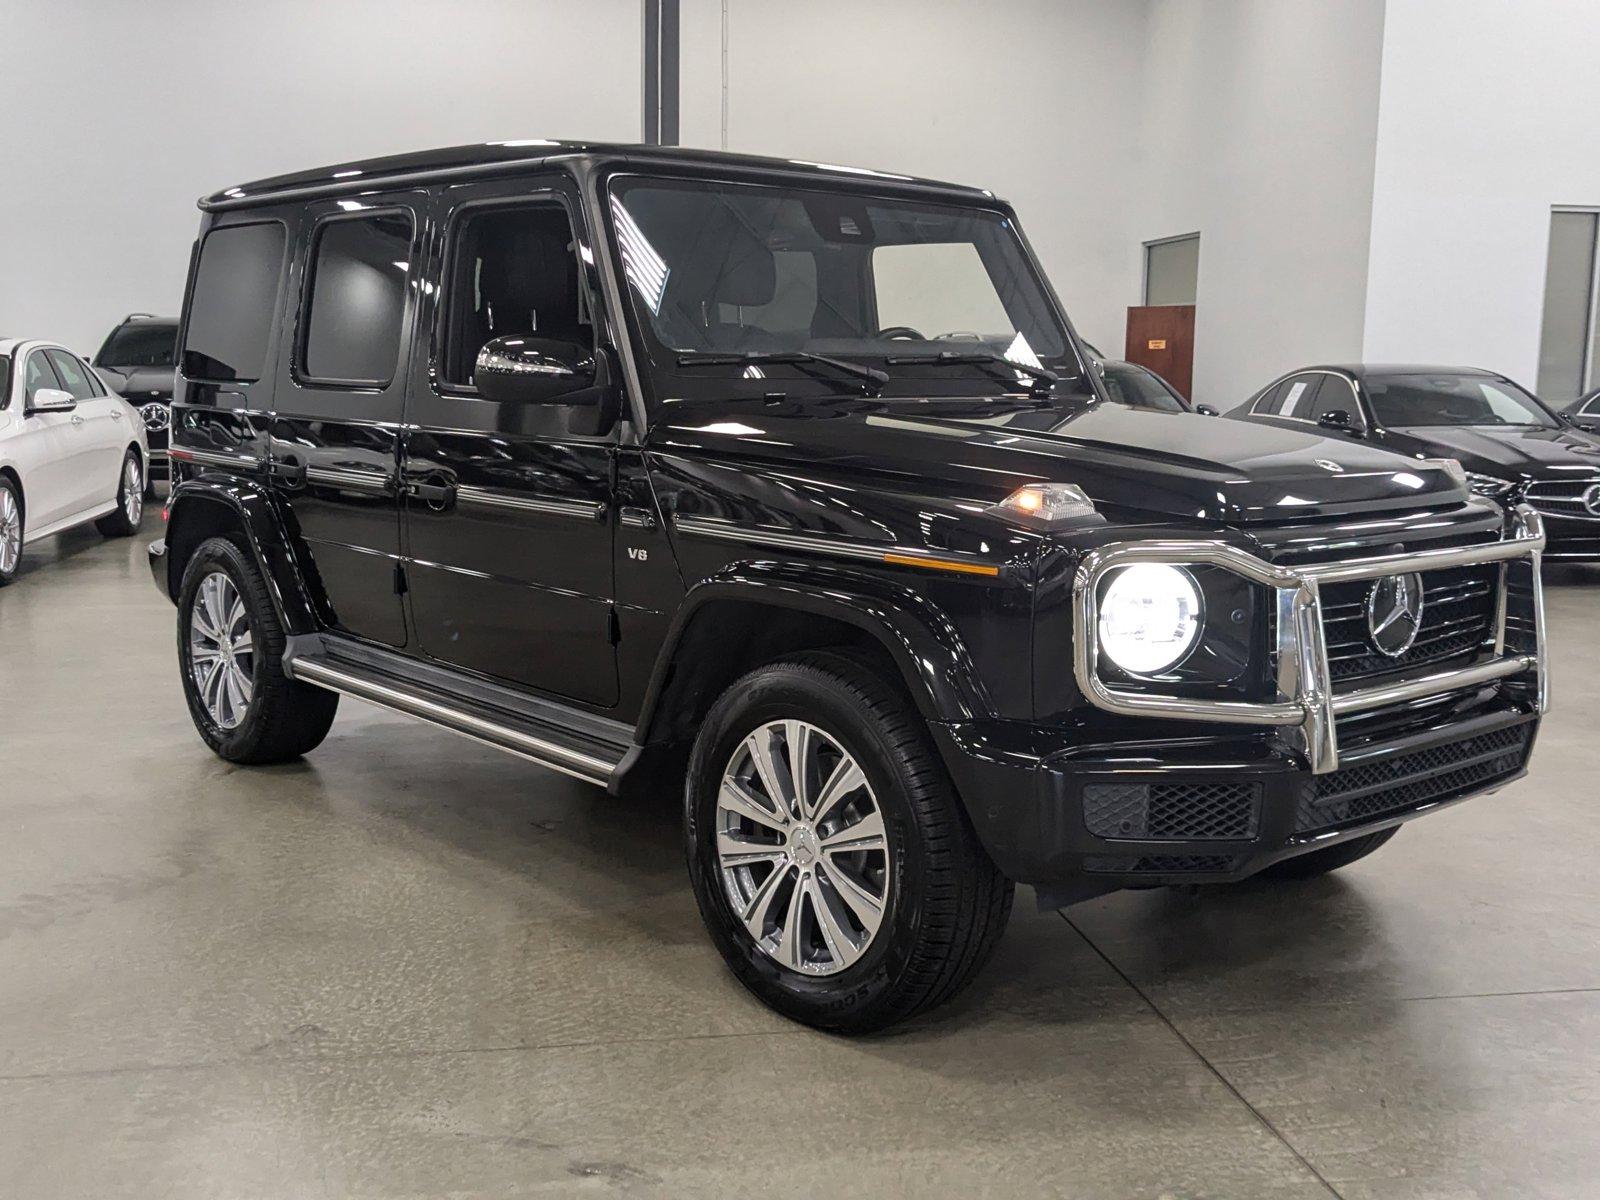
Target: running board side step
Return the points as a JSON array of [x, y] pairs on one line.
[[594, 765]]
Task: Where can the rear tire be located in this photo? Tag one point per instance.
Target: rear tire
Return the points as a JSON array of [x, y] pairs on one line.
[[130, 500], [12, 530], [882, 931], [1320, 862], [230, 653]]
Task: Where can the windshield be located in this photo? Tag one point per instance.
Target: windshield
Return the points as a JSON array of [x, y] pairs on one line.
[[148, 345], [1138, 388], [725, 279], [1453, 400]]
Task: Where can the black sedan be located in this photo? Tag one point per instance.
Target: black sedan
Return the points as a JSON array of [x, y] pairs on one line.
[[1584, 412], [1140, 387], [1512, 445]]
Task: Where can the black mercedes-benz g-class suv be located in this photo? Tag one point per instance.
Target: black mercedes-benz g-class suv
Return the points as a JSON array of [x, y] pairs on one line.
[[785, 488]]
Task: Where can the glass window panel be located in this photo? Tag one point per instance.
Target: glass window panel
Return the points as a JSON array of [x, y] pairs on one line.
[[235, 295], [358, 299], [1172, 271]]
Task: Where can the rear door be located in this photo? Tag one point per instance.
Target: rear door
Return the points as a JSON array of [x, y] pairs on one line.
[[337, 407], [509, 521], [100, 429]]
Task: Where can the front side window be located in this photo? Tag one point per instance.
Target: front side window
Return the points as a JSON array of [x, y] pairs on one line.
[[39, 374], [142, 345], [232, 303], [513, 272], [745, 285], [1411, 400], [356, 300], [74, 377]]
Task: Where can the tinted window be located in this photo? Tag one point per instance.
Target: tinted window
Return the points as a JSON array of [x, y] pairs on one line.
[[357, 299], [1336, 393], [1299, 397], [1453, 400], [1271, 400], [5, 381], [74, 377], [38, 374], [231, 307], [143, 345], [513, 271], [1138, 388]]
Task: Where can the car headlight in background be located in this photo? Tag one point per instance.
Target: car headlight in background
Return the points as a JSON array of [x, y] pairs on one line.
[[1150, 618], [1488, 485]]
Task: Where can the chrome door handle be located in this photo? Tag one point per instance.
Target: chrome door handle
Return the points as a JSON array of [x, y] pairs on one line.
[[76, 419]]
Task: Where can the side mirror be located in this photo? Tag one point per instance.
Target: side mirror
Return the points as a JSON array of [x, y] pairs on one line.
[[52, 400], [534, 370], [1339, 420], [1205, 410]]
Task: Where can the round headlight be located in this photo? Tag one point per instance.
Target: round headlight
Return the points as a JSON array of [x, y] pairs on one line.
[[1149, 618]]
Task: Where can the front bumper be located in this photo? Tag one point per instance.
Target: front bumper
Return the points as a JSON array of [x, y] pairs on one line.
[[1212, 810], [1152, 788]]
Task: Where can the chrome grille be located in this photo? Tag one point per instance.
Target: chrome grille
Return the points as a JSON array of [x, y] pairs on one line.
[[1457, 620], [1563, 497]]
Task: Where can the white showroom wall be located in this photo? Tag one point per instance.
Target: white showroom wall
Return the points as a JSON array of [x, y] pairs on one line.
[[1035, 99], [1487, 120], [118, 116], [1257, 131]]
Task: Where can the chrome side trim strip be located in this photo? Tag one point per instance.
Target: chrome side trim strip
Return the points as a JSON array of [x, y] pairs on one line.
[[356, 481], [723, 530], [558, 758], [586, 509], [215, 458], [1307, 705]]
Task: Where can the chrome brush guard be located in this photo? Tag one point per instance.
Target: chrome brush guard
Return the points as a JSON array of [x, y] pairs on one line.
[[1307, 706]]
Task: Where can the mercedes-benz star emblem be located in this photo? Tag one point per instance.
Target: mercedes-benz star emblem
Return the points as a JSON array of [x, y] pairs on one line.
[[1591, 500], [1394, 613], [156, 416]]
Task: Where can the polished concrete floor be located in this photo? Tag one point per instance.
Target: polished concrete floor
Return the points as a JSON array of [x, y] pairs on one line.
[[410, 966]]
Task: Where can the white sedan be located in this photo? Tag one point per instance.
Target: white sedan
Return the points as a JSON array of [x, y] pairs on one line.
[[71, 450]]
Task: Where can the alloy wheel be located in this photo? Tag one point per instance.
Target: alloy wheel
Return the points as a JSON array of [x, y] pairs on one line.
[[221, 650], [10, 532], [802, 847], [132, 491]]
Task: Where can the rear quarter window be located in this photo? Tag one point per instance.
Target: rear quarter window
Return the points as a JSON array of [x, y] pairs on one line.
[[232, 303]]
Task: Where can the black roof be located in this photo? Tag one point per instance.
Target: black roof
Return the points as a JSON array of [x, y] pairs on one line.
[[481, 158], [1368, 370]]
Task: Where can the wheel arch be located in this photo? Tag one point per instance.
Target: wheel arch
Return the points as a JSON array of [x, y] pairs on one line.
[[204, 508], [7, 471]]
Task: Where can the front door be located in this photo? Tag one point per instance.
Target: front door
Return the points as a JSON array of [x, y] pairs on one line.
[[58, 482], [102, 429], [1161, 339], [335, 442], [509, 505]]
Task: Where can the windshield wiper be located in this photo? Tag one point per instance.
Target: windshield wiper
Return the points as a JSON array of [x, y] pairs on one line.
[[872, 380], [1043, 378]]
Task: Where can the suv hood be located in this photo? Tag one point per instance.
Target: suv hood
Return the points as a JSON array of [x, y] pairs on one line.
[[140, 385], [1178, 465], [1509, 452]]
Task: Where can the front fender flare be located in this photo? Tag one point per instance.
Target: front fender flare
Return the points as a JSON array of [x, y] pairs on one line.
[[925, 645]]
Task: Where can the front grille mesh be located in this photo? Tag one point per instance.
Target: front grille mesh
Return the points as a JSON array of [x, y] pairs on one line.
[[1457, 619], [1562, 497], [1200, 810], [1386, 786]]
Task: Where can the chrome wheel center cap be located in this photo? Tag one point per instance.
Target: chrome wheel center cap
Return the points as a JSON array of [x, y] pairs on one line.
[[803, 847]]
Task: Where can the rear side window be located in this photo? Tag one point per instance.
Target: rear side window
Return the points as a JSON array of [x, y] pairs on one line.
[[5, 382], [73, 375], [231, 307], [356, 300]]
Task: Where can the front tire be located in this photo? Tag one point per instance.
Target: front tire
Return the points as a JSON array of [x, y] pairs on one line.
[[859, 896], [130, 500], [230, 651], [11, 530]]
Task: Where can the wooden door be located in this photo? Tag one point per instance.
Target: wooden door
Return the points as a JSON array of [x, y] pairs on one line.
[[1161, 337]]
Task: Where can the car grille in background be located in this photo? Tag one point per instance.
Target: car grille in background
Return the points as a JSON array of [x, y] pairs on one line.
[[1396, 783], [1196, 811], [1457, 618], [1562, 497]]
